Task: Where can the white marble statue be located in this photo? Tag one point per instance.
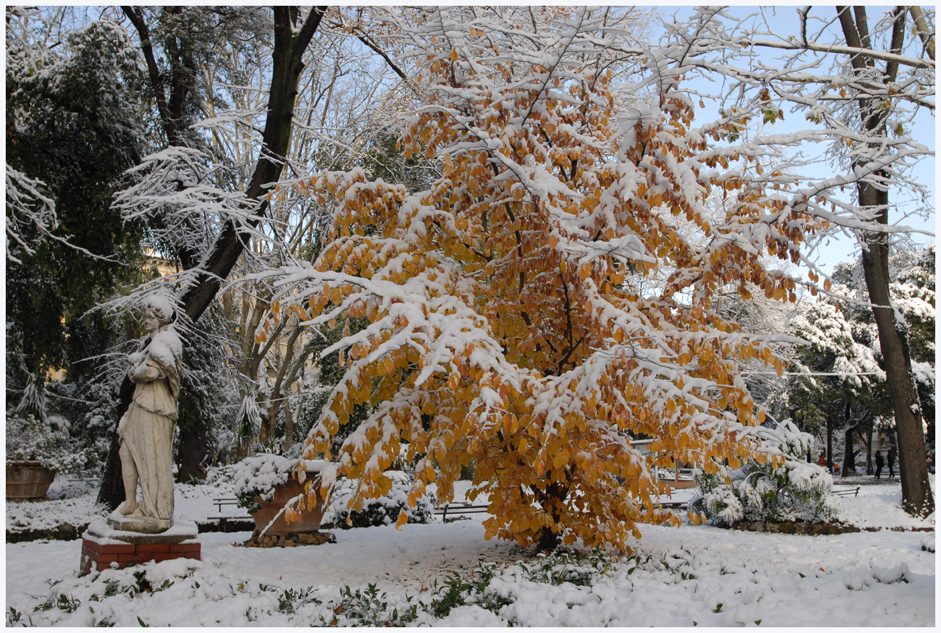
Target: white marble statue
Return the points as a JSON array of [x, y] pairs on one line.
[[146, 431]]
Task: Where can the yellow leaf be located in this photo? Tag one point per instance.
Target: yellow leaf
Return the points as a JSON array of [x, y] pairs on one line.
[[454, 55], [385, 485], [402, 520]]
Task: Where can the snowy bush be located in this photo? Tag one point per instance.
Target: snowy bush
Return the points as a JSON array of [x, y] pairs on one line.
[[382, 511], [30, 439], [258, 476], [795, 491]]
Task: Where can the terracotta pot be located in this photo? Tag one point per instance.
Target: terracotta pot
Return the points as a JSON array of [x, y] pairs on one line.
[[310, 519], [28, 480]]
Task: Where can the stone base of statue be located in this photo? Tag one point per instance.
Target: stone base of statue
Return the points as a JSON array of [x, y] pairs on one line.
[[104, 547], [141, 525]]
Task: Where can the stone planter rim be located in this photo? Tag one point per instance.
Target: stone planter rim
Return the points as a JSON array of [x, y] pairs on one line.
[[29, 464]]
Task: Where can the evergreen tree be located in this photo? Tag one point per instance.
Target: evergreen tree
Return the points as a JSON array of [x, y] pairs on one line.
[[73, 127]]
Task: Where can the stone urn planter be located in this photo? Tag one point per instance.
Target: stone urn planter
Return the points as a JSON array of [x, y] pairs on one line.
[[309, 520], [28, 480]]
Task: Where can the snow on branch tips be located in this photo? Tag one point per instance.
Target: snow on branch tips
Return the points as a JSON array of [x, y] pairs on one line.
[[31, 216], [174, 190]]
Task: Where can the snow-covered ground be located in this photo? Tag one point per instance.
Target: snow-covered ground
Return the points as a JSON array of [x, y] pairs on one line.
[[424, 574]]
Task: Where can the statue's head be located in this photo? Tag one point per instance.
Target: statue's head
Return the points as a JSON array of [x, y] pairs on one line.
[[158, 313]]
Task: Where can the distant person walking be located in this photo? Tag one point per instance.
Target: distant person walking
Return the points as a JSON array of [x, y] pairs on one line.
[[891, 461], [879, 462]]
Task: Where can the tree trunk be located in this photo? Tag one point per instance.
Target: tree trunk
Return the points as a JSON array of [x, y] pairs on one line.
[[869, 470], [551, 501], [893, 340], [285, 75], [893, 337], [829, 444], [288, 426], [191, 452], [849, 454], [289, 47], [111, 491]]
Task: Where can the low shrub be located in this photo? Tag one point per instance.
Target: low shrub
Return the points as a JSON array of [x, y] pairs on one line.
[[796, 491], [382, 511], [257, 477], [32, 439]]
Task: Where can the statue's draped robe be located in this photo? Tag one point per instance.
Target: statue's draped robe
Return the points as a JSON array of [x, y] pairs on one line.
[[146, 430]]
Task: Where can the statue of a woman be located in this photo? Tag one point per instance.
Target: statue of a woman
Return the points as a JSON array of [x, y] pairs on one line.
[[146, 431]]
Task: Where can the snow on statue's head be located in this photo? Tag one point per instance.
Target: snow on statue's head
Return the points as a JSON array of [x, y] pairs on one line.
[[161, 308]]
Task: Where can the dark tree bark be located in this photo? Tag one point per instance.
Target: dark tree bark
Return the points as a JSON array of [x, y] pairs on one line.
[[289, 47], [849, 455], [191, 452], [111, 490], [551, 500], [893, 337]]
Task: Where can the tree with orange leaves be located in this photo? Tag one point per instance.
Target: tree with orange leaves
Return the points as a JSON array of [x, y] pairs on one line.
[[549, 299]]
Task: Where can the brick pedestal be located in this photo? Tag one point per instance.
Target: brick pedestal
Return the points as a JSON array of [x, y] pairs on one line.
[[102, 546]]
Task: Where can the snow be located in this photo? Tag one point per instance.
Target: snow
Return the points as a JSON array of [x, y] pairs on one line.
[[161, 304], [105, 535], [676, 577]]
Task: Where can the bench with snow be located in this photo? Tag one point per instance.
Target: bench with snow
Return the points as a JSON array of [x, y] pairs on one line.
[[845, 492], [223, 519], [459, 508]]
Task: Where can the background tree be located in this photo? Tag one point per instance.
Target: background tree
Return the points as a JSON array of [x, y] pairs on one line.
[[840, 383], [839, 390], [873, 196], [859, 86], [292, 32], [72, 128]]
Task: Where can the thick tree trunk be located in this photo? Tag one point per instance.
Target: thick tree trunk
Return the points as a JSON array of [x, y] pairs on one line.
[[191, 452], [111, 491], [869, 470], [829, 444], [551, 501], [289, 47], [893, 340], [285, 75]]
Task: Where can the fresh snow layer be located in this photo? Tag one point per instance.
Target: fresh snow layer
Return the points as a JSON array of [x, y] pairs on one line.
[[677, 578]]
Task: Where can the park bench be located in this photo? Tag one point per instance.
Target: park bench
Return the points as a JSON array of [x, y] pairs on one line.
[[846, 492], [223, 519], [674, 505], [460, 508]]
